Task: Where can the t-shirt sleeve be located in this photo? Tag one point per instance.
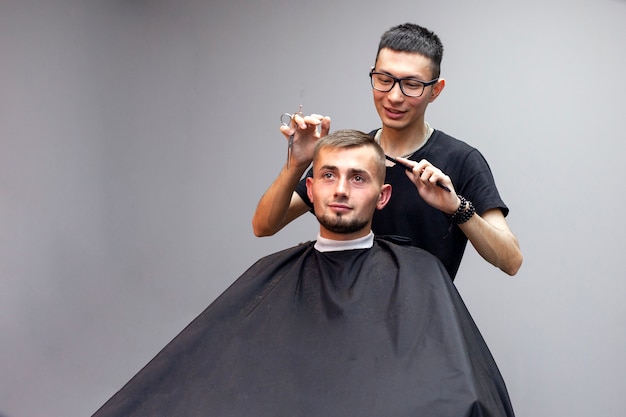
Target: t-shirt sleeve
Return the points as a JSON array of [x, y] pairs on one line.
[[480, 187]]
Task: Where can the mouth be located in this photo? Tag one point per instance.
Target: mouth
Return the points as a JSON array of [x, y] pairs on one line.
[[339, 208], [394, 114]]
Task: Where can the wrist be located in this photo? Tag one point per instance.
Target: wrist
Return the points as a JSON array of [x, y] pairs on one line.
[[459, 206], [463, 213], [297, 166]]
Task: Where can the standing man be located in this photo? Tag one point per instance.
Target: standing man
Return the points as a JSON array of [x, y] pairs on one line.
[[444, 194]]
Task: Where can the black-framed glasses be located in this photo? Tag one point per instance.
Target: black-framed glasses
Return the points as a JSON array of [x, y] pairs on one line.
[[410, 87]]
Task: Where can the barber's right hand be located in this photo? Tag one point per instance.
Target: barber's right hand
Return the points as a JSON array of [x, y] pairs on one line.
[[308, 130]]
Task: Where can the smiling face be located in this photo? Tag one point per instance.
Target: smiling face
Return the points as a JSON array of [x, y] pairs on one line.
[[345, 189], [397, 111]]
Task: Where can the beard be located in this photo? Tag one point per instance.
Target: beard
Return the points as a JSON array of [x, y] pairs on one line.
[[337, 224]]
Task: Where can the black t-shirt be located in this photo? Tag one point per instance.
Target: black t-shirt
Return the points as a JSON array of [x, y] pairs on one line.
[[408, 215]]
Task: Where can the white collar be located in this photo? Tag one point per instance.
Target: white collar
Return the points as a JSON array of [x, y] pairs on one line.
[[329, 245]]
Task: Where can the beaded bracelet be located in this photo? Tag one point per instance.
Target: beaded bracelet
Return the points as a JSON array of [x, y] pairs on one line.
[[462, 214]]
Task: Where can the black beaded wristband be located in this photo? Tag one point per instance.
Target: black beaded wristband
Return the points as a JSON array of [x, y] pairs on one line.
[[462, 214]]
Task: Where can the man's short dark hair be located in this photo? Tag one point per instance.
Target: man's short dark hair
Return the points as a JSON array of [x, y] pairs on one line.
[[410, 37]]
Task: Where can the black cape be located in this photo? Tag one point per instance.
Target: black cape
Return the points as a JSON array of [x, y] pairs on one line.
[[378, 332]]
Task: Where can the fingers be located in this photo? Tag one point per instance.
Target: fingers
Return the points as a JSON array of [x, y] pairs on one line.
[[429, 174], [426, 173], [325, 126], [411, 166], [310, 122], [307, 123], [287, 130]]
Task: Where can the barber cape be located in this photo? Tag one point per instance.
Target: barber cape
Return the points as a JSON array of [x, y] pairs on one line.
[[378, 332]]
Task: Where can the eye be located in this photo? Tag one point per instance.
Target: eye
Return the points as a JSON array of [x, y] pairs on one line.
[[383, 79], [358, 178], [412, 84], [327, 175]]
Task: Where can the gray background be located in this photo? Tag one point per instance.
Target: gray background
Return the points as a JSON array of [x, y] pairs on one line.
[[136, 138]]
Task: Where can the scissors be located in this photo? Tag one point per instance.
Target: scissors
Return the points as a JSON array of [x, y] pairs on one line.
[[287, 119]]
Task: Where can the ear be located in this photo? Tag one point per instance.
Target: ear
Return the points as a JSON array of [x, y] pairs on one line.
[[309, 185], [437, 89], [383, 198]]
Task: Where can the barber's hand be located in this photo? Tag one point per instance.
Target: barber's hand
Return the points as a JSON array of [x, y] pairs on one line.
[[308, 130], [430, 181]]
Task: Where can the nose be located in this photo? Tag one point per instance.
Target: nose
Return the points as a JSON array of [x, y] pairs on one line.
[[342, 187], [396, 93]]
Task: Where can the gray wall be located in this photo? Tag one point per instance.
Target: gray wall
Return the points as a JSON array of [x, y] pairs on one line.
[[136, 138]]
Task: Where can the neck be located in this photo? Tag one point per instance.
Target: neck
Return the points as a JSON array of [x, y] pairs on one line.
[[324, 244], [406, 141]]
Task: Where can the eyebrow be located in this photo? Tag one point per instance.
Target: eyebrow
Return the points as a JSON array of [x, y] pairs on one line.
[[352, 170], [411, 77]]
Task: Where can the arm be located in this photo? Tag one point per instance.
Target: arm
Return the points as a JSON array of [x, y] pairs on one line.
[[493, 240], [280, 204], [489, 233]]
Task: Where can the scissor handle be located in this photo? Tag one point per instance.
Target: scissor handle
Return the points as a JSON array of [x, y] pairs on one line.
[[287, 118]]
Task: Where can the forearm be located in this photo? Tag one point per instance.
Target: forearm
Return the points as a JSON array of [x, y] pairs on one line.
[[273, 209], [494, 241], [280, 204], [489, 234]]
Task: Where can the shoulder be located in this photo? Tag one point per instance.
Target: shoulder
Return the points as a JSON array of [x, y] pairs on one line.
[[442, 139], [408, 255], [299, 248], [454, 155], [284, 255]]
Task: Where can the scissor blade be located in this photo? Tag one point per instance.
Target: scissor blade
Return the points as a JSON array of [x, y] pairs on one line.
[[289, 148]]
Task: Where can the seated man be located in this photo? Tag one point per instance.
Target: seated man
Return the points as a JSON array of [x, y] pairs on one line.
[[348, 325]]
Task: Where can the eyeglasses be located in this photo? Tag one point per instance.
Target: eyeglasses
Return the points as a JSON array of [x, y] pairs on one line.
[[410, 87]]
